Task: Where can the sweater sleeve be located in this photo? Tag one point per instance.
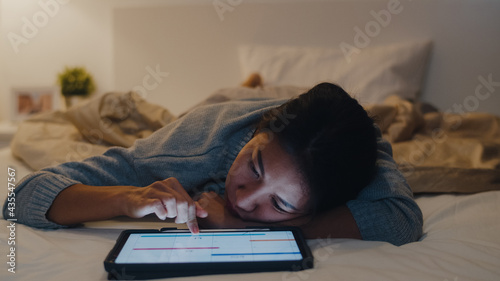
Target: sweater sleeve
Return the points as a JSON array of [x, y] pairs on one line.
[[36, 192], [385, 210]]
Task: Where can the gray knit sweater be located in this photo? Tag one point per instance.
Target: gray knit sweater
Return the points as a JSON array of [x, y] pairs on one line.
[[198, 149]]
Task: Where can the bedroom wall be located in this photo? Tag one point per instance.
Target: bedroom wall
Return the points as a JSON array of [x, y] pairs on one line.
[[200, 60], [40, 38], [78, 32], [194, 47]]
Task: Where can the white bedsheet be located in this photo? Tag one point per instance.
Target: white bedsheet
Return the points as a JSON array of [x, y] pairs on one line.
[[461, 242]]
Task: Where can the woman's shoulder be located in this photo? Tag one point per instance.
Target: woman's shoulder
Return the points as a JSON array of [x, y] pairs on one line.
[[204, 128]]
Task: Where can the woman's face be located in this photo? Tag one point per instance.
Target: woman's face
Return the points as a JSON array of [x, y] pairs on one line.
[[264, 183]]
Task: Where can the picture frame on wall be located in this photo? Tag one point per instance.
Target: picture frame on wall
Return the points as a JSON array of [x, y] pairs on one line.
[[28, 101]]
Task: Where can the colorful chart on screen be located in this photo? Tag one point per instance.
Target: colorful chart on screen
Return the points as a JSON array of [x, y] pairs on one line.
[[209, 247]]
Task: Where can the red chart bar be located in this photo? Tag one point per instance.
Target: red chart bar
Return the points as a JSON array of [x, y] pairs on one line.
[[271, 240]]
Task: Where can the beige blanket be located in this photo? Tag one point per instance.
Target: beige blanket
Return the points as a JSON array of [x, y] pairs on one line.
[[86, 130], [437, 152], [442, 152]]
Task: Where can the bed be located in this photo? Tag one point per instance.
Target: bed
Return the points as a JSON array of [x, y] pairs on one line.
[[460, 241], [451, 159]]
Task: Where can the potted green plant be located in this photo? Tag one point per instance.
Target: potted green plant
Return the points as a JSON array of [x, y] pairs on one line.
[[75, 82]]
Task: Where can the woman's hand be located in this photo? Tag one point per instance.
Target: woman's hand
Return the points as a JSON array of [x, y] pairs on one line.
[[166, 199], [217, 214]]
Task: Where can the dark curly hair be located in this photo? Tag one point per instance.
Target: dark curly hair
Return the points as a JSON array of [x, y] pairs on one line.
[[332, 139]]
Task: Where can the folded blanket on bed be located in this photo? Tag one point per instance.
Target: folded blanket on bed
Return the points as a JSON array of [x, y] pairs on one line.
[[437, 151]]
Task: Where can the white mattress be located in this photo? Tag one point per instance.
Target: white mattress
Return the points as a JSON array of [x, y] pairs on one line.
[[461, 242]]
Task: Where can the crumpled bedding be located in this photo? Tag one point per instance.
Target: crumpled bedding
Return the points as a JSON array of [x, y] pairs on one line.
[[436, 151], [88, 129], [441, 151]]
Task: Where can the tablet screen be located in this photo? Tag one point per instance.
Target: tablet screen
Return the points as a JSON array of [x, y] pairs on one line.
[[205, 247]]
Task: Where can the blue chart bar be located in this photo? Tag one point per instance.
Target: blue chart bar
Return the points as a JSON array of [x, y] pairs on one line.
[[189, 235], [254, 254]]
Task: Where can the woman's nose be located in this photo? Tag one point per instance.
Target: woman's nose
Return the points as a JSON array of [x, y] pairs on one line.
[[248, 197]]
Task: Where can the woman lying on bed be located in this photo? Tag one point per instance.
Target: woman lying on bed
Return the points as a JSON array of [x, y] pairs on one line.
[[316, 161]]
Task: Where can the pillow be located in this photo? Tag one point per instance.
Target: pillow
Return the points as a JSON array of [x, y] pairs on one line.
[[371, 75]]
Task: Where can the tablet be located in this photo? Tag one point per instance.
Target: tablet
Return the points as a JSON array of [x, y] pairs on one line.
[[146, 254]]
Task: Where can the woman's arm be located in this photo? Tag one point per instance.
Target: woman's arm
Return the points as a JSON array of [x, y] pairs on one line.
[[393, 220], [336, 223], [36, 192], [81, 203], [383, 211]]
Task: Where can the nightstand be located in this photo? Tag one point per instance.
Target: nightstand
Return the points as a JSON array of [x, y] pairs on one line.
[[7, 131]]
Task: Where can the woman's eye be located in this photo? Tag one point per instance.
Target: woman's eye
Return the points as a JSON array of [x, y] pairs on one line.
[[254, 170], [277, 206]]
